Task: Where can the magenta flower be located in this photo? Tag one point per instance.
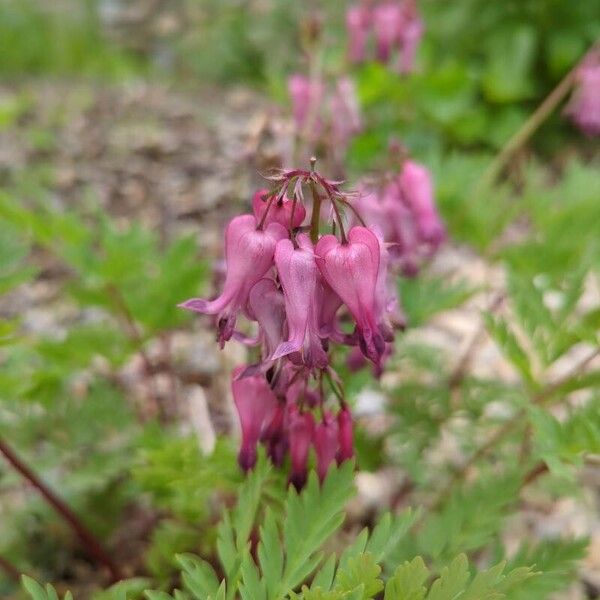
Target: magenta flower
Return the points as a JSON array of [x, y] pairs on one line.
[[358, 22], [307, 98], [351, 269], [255, 404], [345, 435], [301, 429], [584, 106], [275, 435], [249, 255], [298, 271], [281, 211], [387, 22], [409, 37], [325, 441], [345, 113], [416, 188], [267, 306]]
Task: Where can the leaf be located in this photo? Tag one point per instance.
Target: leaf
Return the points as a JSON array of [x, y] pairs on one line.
[[451, 581], [360, 571], [270, 554], [198, 576], [407, 582], [311, 517], [510, 346]]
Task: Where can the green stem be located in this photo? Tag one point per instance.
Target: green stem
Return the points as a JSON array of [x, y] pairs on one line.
[[528, 128], [316, 214], [339, 220]]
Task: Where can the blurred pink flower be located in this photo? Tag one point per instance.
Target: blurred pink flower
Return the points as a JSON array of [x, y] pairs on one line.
[[358, 23], [584, 106], [307, 98]]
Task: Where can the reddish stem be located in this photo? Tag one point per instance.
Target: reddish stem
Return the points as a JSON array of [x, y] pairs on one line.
[[89, 540], [10, 569]]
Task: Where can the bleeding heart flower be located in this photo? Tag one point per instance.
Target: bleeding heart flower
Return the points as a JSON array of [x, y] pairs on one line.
[[416, 188], [307, 97], [280, 211], [584, 106], [387, 22], [358, 22], [255, 403], [249, 255], [345, 435], [301, 429], [409, 36], [267, 306], [351, 269], [298, 273], [325, 441]]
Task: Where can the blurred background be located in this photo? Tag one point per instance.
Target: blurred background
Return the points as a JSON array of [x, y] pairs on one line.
[[131, 130]]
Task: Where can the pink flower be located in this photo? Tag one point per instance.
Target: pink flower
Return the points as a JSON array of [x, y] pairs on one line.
[[325, 441], [584, 106], [255, 403], [275, 435], [358, 21], [249, 255], [387, 22], [416, 188], [345, 112], [345, 435], [409, 37], [280, 211], [301, 428], [267, 306], [298, 275], [351, 269], [307, 98]]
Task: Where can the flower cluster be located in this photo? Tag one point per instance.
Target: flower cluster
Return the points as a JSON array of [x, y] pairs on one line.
[[584, 107], [322, 114], [301, 288], [394, 25], [405, 211]]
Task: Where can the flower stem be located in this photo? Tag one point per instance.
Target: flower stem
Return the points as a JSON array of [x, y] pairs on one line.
[[531, 125], [316, 214], [89, 540], [11, 571], [339, 220]]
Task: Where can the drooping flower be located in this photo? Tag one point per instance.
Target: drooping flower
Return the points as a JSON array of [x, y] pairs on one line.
[[298, 274], [307, 97], [267, 306], [275, 435], [416, 188], [345, 435], [325, 441], [584, 106], [409, 36], [358, 23], [255, 404], [281, 210], [301, 430], [387, 22], [249, 255], [351, 269], [345, 113]]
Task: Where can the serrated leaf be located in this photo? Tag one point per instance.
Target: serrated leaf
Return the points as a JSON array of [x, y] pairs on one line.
[[407, 582], [452, 580], [361, 570], [198, 576]]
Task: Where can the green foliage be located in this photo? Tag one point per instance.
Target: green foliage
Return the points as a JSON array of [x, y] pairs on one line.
[[41, 38]]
